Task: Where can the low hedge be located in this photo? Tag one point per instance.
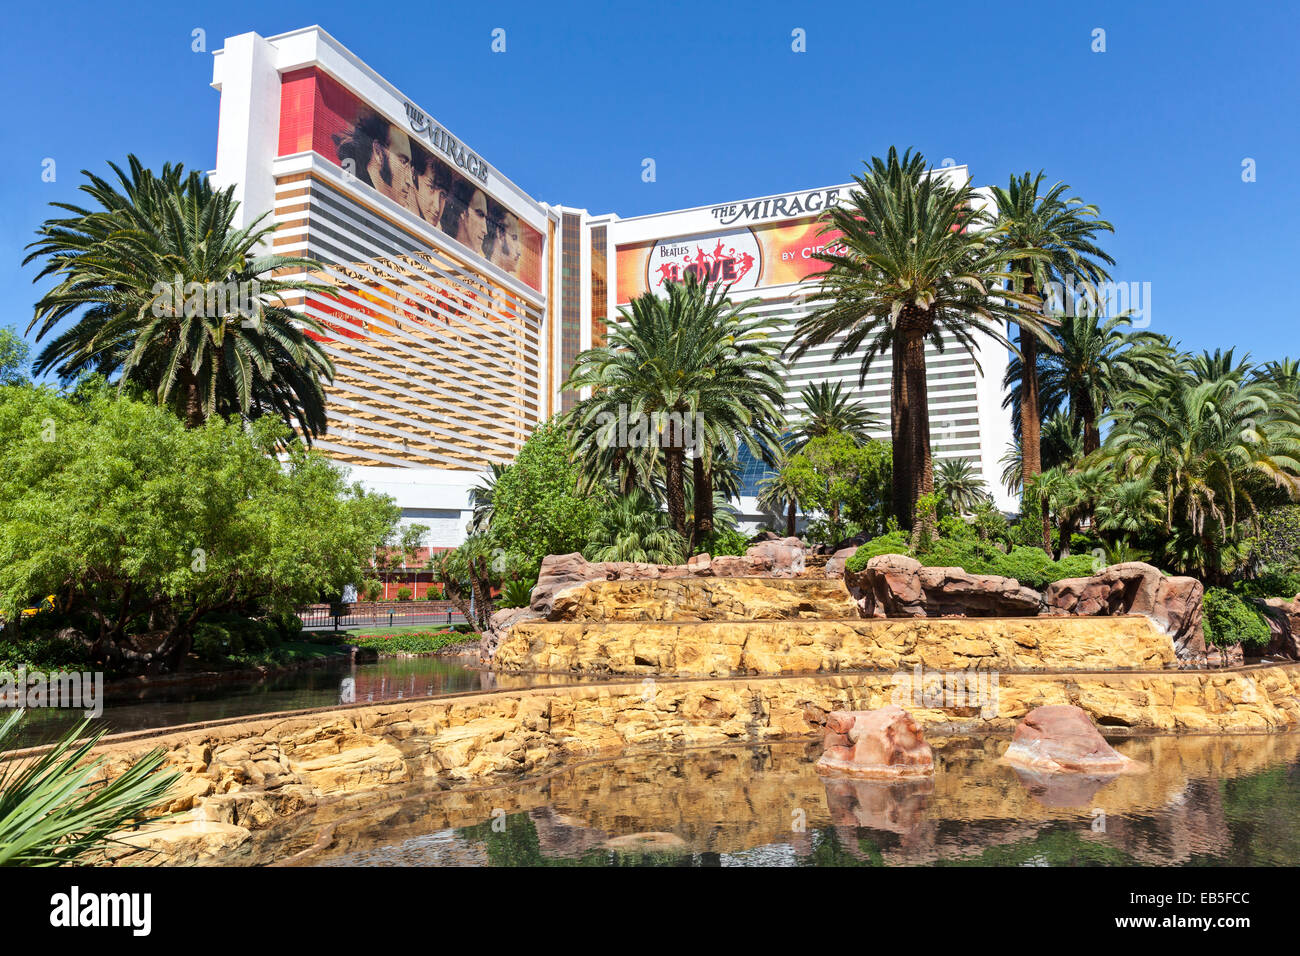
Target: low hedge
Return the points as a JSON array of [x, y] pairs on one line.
[[1032, 567], [413, 642]]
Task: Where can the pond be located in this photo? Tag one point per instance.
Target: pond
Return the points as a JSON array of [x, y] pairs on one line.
[[1201, 801], [324, 685]]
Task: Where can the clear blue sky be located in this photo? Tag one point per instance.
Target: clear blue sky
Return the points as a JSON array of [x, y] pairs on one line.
[[1154, 130]]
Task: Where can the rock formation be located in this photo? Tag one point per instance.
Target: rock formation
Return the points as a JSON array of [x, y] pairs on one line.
[[1283, 618], [1060, 738], [881, 744], [1173, 603]]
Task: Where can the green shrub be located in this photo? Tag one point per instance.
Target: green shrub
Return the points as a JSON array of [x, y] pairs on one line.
[[895, 542], [1227, 620], [1272, 583], [221, 636], [432, 594], [728, 541], [286, 624], [414, 642], [371, 588], [403, 594]]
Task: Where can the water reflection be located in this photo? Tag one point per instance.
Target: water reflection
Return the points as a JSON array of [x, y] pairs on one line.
[[1203, 801], [325, 685]]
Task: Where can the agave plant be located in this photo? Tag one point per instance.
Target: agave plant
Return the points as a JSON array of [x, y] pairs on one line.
[[52, 809]]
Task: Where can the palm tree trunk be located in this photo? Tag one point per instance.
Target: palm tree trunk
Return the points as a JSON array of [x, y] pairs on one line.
[[1091, 433], [193, 400], [1031, 461], [674, 469], [1031, 450], [702, 492], [913, 466], [789, 519]]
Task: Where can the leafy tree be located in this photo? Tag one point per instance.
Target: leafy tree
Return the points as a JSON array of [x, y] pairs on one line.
[[141, 525], [914, 261], [836, 476], [1052, 238], [13, 358], [539, 505], [165, 293]]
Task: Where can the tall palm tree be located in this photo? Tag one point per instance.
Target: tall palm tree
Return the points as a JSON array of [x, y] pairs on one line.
[[1060, 231], [959, 485], [826, 408], [170, 297], [1095, 359], [706, 370], [1209, 448], [913, 262]]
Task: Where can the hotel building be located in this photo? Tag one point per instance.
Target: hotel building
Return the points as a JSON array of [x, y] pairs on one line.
[[458, 302]]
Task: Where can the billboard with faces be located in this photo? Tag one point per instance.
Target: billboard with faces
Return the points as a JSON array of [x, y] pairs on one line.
[[320, 114]]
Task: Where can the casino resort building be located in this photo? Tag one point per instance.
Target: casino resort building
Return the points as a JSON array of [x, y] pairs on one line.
[[458, 302]]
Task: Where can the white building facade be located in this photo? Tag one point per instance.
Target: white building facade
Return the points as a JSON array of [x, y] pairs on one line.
[[458, 303]]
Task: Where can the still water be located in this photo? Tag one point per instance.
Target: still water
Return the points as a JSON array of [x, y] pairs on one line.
[[325, 685], [1201, 801]]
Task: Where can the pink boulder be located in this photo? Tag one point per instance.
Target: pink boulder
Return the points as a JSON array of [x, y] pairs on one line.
[[883, 744], [1061, 738]]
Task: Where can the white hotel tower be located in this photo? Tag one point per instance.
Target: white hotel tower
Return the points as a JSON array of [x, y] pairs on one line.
[[461, 302]]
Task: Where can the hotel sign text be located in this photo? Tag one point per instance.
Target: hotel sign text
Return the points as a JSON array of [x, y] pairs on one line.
[[445, 143], [779, 207]]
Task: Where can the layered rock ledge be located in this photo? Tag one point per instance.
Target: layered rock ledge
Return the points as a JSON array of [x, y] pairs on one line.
[[247, 775], [795, 646]]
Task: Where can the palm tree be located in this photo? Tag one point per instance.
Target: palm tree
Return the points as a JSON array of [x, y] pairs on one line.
[[913, 262], [170, 297], [1095, 359], [777, 493], [633, 528], [1060, 232], [959, 485], [704, 370], [827, 409], [480, 498], [1209, 448], [1062, 444]]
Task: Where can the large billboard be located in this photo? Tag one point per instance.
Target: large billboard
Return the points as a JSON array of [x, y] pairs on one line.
[[318, 113], [746, 257]]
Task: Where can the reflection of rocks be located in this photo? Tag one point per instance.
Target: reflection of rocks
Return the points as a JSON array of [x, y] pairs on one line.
[[732, 800], [882, 743], [1063, 790], [654, 842], [562, 836], [896, 806], [1061, 739]]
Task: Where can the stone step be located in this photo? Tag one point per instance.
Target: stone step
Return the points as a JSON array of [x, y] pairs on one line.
[[706, 599], [802, 646]]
